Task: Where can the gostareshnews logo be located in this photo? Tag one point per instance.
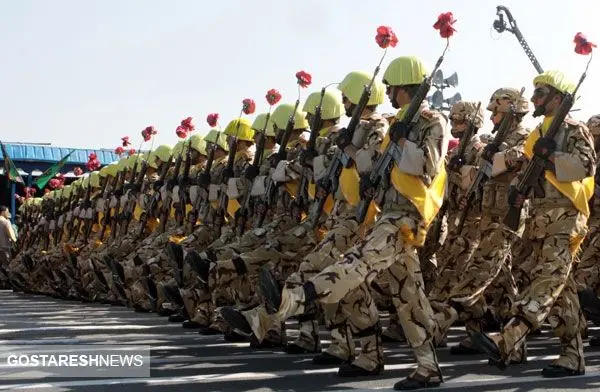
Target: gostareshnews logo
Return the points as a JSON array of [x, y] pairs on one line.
[[75, 361]]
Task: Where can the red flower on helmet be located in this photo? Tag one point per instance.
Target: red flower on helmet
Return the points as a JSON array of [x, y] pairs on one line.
[[212, 119], [582, 45], [444, 24], [273, 96], [125, 141], [181, 132], [304, 78], [131, 152], [188, 124], [386, 37], [77, 171], [248, 106], [119, 150]]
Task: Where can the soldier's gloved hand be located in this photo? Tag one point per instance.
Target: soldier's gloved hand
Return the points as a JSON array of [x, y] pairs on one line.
[[118, 192], [515, 198], [156, 185], [544, 147], [128, 187], [456, 162], [204, 179], [307, 156], [183, 181], [489, 150], [323, 187], [344, 139], [367, 188], [398, 130], [228, 173], [251, 172], [171, 183]]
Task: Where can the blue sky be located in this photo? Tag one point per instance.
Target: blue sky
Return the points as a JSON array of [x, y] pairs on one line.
[[84, 73]]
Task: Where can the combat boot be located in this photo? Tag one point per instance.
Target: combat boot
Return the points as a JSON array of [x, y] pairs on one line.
[[571, 361], [341, 350], [370, 360], [427, 374]]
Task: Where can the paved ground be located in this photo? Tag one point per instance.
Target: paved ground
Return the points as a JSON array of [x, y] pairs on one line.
[[183, 360]]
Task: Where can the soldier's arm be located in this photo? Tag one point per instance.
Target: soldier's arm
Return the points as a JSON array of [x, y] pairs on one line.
[[424, 159], [512, 153], [369, 151], [580, 160]]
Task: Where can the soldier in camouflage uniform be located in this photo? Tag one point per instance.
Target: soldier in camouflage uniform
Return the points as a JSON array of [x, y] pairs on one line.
[[490, 265], [390, 243], [557, 228]]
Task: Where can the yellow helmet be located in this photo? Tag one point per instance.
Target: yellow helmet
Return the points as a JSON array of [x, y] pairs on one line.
[[556, 79], [282, 114], [198, 143], [354, 83], [94, 179], [130, 162], [77, 183], [215, 137], [332, 106], [66, 191], [593, 124], [122, 164], [259, 124], [240, 128], [501, 100], [110, 170], [178, 148], [404, 71], [162, 152]]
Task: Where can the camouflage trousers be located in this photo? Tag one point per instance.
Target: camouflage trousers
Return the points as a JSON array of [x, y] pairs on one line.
[[346, 284], [454, 255], [555, 233], [587, 270]]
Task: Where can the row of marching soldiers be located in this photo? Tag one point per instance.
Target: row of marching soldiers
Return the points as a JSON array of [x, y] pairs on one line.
[[235, 232]]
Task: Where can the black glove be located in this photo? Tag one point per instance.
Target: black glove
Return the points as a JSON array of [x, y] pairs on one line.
[[156, 185], [306, 157], [367, 188], [343, 139], [544, 147], [456, 162], [171, 183], [204, 179], [515, 198], [398, 130], [183, 181], [118, 192], [489, 150], [251, 172], [228, 173], [129, 186]]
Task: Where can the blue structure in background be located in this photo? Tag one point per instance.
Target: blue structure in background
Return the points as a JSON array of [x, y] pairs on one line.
[[33, 159]]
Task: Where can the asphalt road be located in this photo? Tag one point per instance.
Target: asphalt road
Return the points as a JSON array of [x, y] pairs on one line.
[[182, 360]]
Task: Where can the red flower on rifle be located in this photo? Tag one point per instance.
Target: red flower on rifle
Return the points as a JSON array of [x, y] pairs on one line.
[[188, 124], [273, 96], [77, 171], [131, 152], [304, 78], [119, 150], [125, 141], [212, 119], [582, 45], [92, 156], [54, 183], [386, 37], [444, 24], [148, 132], [248, 106], [181, 132], [29, 192]]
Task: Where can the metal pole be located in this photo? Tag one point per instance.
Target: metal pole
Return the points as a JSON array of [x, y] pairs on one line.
[[13, 189]]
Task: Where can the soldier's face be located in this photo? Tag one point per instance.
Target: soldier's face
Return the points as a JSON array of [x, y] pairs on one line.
[[458, 129], [497, 117], [348, 107], [540, 100]]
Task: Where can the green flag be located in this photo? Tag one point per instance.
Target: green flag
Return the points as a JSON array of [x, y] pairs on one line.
[[46, 176], [9, 167]]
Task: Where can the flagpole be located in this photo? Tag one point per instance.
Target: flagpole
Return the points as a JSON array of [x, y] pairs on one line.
[[13, 190]]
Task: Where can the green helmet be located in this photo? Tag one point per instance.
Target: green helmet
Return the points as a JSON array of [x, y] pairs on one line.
[[218, 138], [259, 124], [354, 83], [404, 71], [331, 108], [282, 114]]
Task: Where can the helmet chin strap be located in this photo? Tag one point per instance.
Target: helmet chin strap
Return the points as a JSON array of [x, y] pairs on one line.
[[541, 110]]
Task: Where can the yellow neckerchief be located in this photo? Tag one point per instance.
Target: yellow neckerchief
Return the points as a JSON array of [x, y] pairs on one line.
[[579, 192], [427, 200]]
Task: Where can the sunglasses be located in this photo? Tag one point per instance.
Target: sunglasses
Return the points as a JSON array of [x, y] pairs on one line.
[[457, 121], [540, 92]]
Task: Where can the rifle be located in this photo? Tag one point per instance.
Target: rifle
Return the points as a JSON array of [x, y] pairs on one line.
[[118, 193], [484, 173], [301, 201], [330, 182], [151, 210], [183, 195], [269, 198], [74, 219], [393, 152], [224, 200], [129, 207], [166, 204], [67, 208], [454, 167], [85, 205], [57, 213], [106, 220], [250, 174], [536, 167]]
